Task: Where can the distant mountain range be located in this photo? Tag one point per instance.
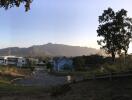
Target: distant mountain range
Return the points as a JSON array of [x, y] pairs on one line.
[[49, 50]]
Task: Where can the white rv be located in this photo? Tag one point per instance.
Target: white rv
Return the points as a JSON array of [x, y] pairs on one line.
[[12, 60]]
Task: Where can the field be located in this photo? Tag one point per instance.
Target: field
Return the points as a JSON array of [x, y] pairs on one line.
[[100, 89], [117, 89]]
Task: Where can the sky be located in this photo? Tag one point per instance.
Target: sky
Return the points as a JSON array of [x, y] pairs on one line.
[[71, 22]]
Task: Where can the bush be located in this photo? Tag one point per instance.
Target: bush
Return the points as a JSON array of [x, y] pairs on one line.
[[119, 66]]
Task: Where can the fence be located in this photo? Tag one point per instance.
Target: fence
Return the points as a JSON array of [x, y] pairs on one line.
[[110, 76]]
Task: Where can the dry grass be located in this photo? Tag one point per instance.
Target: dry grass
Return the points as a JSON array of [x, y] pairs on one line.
[[8, 73]]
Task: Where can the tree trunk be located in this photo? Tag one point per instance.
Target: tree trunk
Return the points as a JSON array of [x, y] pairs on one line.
[[113, 56], [125, 57]]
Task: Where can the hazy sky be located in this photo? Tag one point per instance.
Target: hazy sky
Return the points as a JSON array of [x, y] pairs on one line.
[[72, 22]]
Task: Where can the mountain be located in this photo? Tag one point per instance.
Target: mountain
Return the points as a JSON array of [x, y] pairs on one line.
[[49, 50]]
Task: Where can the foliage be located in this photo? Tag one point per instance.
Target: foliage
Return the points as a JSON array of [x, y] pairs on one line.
[[30, 63], [79, 63], [49, 66], [119, 65], [98, 64], [85, 62], [11, 3], [67, 67], [93, 60], [116, 31]]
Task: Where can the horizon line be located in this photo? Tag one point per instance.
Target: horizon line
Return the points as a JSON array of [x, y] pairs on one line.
[[47, 44]]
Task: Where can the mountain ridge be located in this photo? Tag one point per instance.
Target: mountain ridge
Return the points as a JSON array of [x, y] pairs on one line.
[[49, 49]]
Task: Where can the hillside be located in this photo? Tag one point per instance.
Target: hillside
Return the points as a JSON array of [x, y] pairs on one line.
[[49, 50]]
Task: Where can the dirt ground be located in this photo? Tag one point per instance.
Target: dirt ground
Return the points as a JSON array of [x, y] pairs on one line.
[[116, 89]]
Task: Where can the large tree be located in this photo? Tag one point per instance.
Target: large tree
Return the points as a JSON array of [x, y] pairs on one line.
[[11, 3], [115, 31]]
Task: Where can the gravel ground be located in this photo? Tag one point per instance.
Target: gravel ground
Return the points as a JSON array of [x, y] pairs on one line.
[[41, 78]]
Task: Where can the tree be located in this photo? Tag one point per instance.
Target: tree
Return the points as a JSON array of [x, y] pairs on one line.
[[115, 30], [11, 3], [79, 63], [49, 66]]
